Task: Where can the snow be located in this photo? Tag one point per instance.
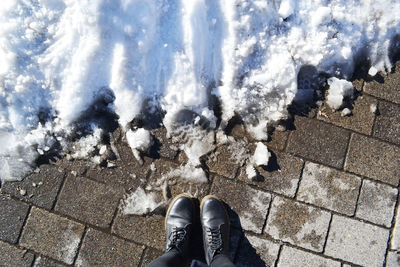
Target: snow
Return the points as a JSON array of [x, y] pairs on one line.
[[140, 202], [59, 60], [139, 141], [338, 90], [261, 155]]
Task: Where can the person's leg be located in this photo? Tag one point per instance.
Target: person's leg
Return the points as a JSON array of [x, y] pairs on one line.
[[172, 258], [221, 260], [178, 228], [215, 224]]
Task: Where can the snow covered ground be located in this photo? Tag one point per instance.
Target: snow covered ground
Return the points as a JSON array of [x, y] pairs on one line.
[[62, 60]]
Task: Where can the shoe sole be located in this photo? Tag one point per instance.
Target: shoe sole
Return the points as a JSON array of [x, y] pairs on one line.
[[215, 197], [172, 202]]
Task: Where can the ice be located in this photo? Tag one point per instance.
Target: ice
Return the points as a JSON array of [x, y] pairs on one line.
[[60, 59]]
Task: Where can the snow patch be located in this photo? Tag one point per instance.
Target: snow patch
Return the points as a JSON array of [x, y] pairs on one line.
[[140, 141], [338, 90], [139, 202]]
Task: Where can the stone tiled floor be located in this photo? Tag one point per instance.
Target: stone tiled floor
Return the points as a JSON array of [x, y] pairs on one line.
[[329, 198]]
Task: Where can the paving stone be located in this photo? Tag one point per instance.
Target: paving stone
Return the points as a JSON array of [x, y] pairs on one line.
[[388, 87], [250, 204], [374, 159], [52, 235], [145, 230], [127, 176], [12, 256], [298, 224], [255, 251], [395, 241], [329, 188], [280, 176], [88, 201], [39, 188], [356, 242], [46, 262], [319, 141], [278, 139], [12, 217], [361, 120], [295, 257], [149, 255], [393, 259], [166, 147], [387, 125], [222, 162], [99, 248], [376, 203]]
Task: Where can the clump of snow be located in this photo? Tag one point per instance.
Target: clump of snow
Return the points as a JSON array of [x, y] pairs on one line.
[[338, 90], [345, 112], [261, 155], [139, 202], [373, 108], [140, 141], [251, 171]]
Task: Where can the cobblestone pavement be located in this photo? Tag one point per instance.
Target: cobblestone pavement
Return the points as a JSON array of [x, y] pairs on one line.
[[329, 198]]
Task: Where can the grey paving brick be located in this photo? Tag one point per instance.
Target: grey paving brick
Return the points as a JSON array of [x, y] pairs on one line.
[[144, 230], [393, 259], [298, 224], [319, 141], [277, 140], [40, 188], [12, 217], [88, 201], [250, 204], [52, 235], [395, 241], [329, 188], [46, 262], [221, 162], [256, 251], [149, 255], [376, 203], [127, 176], [388, 88], [99, 248], [295, 257], [361, 120], [374, 159], [387, 125], [356, 242], [166, 147], [12, 256], [281, 176]]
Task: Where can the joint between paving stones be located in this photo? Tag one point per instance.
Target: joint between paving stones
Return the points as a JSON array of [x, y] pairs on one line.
[[79, 245], [266, 216], [327, 234], [357, 199], [300, 178], [396, 210], [278, 256], [142, 257], [23, 224], [53, 206]]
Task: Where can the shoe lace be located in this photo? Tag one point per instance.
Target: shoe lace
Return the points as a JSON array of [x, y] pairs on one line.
[[177, 236], [214, 239]]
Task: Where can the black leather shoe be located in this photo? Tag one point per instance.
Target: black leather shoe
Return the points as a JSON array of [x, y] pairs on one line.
[[179, 224], [215, 223]]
